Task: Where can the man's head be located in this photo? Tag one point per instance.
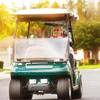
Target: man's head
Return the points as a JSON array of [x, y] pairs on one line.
[[57, 30]]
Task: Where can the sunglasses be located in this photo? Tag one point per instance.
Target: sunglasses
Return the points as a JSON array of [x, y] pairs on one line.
[[56, 29]]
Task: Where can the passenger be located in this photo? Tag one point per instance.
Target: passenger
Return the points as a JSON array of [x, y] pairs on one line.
[[57, 30]]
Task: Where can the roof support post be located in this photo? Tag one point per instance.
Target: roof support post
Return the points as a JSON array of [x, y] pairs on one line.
[[16, 29], [66, 21], [71, 32], [14, 38], [28, 30]]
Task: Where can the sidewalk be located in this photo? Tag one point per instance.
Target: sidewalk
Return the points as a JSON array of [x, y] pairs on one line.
[[4, 76]]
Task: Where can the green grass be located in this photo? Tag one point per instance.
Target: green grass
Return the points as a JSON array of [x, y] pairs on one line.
[[7, 69], [4, 70], [89, 67], [7, 72], [1, 70]]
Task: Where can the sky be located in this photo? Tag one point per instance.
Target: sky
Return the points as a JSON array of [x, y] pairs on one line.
[[27, 2]]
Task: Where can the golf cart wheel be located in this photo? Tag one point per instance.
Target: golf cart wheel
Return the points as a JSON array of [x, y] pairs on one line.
[[28, 97], [78, 93], [15, 87], [64, 88]]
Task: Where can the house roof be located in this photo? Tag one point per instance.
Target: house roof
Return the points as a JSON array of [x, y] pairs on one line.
[[46, 15]]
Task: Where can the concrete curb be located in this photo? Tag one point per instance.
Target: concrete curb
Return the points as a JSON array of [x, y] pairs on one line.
[[4, 76]]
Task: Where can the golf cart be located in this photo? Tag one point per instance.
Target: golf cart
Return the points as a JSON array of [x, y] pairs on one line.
[[42, 65]]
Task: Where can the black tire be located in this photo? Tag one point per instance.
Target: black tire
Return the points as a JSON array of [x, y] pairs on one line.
[[15, 90], [28, 97], [78, 93], [64, 88]]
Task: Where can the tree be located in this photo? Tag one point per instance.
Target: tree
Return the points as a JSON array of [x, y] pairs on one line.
[[39, 26], [55, 5], [46, 4], [33, 6], [98, 6], [87, 37], [90, 13], [98, 11], [63, 6], [6, 28], [22, 29], [70, 5], [14, 7], [40, 5], [23, 7], [81, 9]]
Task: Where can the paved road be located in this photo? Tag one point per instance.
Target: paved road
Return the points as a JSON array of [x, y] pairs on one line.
[[91, 87]]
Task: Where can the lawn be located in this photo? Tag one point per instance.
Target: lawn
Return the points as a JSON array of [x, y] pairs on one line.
[[7, 72], [1, 70], [4, 70], [89, 67]]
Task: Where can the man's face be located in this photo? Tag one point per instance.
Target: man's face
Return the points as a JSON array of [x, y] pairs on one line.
[[57, 31]]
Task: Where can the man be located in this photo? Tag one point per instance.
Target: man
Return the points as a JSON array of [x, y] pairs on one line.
[[57, 30]]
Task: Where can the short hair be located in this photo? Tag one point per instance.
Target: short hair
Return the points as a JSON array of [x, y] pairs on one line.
[[57, 25]]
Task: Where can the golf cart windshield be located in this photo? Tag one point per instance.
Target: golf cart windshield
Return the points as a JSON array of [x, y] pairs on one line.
[[40, 49]]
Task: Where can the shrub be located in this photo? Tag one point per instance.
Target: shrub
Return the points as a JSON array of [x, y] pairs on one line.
[[80, 62], [1, 64], [91, 61], [86, 62]]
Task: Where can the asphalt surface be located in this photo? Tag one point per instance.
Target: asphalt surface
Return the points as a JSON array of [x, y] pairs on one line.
[[91, 87]]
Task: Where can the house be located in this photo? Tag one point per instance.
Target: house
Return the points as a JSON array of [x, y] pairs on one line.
[[6, 51], [85, 55]]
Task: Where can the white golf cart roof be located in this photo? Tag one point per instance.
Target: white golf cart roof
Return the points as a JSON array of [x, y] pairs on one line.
[[46, 15]]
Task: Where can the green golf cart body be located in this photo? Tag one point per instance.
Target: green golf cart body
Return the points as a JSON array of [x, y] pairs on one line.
[[41, 65]]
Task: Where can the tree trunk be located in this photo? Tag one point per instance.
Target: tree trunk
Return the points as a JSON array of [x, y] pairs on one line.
[[95, 56]]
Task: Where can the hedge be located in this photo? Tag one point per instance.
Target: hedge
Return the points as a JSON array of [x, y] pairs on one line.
[[80, 62], [91, 61], [1, 64]]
